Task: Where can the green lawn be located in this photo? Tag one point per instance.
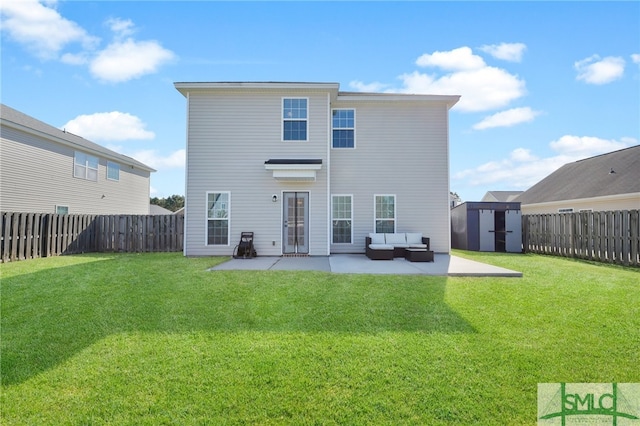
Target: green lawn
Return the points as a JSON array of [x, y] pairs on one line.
[[157, 339]]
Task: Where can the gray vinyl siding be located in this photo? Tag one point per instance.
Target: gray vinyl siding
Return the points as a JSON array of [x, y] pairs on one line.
[[401, 149], [36, 174], [230, 136]]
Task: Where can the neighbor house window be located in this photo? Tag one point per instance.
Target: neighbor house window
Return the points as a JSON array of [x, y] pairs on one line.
[[343, 127], [62, 209], [385, 209], [218, 218], [341, 219], [294, 116], [566, 210], [85, 166], [113, 171]]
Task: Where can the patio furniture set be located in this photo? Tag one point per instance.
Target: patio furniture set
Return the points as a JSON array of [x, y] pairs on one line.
[[412, 246]]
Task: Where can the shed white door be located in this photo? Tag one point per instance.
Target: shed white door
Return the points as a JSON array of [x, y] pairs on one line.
[[296, 222], [513, 221], [487, 231]]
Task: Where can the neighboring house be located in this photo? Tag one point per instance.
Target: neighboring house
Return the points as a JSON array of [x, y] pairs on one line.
[[312, 170], [604, 182], [156, 210], [47, 170], [454, 199], [500, 196]]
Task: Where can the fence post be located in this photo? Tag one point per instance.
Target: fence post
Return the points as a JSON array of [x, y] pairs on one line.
[[6, 236]]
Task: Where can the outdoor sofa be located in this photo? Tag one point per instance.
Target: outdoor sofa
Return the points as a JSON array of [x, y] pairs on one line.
[[388, 246]]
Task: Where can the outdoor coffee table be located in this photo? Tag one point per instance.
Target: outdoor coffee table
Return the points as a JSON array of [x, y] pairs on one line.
[[418, 255]]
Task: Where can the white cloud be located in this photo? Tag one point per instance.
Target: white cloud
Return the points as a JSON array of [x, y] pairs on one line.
[[635, 57], [370, 87], [75, 58], [511, 52], [176, 159], [458, 59], [482, 89], [594, 70], [129, 59], [521, 169], [521, 155], [458, 72], [109, 126], [46, 33], [41, 29], [588, 146], [121, 27], [507, 118]]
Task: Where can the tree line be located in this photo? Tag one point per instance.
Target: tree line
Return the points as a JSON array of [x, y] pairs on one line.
[[173, 203]]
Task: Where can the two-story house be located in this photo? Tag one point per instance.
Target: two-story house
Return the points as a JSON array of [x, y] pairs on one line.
[[310, 169], [47, 170]]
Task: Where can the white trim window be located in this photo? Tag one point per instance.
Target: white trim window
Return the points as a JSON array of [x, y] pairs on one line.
[[113, 171], [342, 219], [385, 213], [218, 214], [294, 119], [85, 166], [343, 128], [62, 209]]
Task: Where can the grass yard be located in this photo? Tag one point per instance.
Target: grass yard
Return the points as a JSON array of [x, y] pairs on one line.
[[156, 339]]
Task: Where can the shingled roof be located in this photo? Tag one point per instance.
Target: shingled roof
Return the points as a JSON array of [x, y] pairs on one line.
[[617, 172], [502, 196], [15, 118]]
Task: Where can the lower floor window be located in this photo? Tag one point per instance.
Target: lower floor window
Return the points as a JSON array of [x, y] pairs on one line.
[[341, 219], [385, 208], [218, 218]]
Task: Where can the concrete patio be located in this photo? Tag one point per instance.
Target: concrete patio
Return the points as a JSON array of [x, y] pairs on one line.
[[443, 265]]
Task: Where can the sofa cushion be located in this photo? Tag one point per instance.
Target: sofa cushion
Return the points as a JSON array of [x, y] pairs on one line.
[[395, 239], [418, 246], [414, 238], [376, 238], [380, 247]]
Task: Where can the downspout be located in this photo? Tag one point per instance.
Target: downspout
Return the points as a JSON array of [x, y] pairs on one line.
[[447, 109], [328, 173], [186, 178]]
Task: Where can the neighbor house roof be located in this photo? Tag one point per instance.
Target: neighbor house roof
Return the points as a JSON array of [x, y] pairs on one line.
[[503, 196], [16, 119], [615, 173], [155, 209]]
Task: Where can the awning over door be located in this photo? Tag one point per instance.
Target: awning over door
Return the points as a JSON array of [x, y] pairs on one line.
[[301, 170]]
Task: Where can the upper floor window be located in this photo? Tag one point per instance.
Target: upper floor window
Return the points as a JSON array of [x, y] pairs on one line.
[[85, 166], [294, 119], [344, 128], [62, 209], [113, 171]]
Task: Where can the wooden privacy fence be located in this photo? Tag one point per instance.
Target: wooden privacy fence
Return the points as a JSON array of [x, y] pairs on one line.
[[32, 235], [608, 236]]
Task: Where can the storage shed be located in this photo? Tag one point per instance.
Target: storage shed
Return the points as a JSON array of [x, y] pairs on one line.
[[487, 226]]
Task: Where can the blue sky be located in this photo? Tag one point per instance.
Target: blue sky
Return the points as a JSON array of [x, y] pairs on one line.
[[542, 83]]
